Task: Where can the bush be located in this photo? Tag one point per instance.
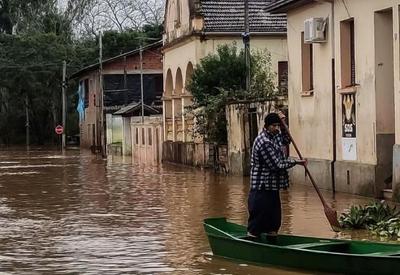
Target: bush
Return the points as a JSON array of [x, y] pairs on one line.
[[220, 79], [378, 217]]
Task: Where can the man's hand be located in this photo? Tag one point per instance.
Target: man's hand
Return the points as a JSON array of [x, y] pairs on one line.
[[281, 115], [283, 121], [302, 162]]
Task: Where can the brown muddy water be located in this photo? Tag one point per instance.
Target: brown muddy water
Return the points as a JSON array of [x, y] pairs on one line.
[[73, 213]]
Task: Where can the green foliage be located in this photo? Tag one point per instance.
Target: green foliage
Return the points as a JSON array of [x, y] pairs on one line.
[[31, 65], [386, 228], [379, 217], [355, 217], [115, 42], [380, 211], [219, 79]]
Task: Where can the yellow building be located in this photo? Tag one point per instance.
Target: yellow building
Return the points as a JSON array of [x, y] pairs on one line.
[[194, 29], [343, 88]]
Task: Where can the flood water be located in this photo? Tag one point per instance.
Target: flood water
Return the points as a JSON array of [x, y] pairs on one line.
[[74, 213]]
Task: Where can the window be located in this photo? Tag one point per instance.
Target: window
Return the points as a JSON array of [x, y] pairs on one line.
[[143, 137], [307, 65], [137, 136], [347, 54], [150, 136], [178, 14], [283, 77]]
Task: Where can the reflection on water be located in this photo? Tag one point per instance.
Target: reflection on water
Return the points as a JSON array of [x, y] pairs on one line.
[[74, 213]]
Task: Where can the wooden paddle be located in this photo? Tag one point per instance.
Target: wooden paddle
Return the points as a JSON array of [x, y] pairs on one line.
[[330, 213]]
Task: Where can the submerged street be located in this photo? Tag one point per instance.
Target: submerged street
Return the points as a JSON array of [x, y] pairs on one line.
[[74, 213]]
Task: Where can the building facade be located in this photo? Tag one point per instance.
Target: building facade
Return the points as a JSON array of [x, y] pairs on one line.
[[343, 91], [122, 87], [194, 29]]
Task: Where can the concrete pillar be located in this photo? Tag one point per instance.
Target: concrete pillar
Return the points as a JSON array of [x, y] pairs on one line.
[[165, 120], [183, 120], [173, 121], [126, 137]]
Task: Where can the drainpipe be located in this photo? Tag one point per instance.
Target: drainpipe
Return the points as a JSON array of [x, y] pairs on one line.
[[334, 144]]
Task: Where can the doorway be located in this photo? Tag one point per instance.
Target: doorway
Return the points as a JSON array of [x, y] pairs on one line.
[[384, 94]]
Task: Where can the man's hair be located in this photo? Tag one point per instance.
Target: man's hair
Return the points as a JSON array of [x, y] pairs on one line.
[[271, 118]]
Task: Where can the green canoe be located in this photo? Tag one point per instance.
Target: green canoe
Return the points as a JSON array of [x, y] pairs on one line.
[[230, 240]]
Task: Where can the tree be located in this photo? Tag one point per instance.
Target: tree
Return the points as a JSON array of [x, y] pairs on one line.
[[31, 69], [115, 42], [119, 15], [219, 79], [35, 37]]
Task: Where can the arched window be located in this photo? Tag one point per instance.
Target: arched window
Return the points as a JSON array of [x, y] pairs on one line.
[[189, 73], [178, 14], [168, 83], [178, 82]]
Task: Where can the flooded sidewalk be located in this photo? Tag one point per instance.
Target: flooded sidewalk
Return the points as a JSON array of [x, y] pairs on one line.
[[75, 213]]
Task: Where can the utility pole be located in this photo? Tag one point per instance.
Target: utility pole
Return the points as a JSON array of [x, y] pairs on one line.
[[64, 104], [27, 121], [102, 124], [246, 42], [141, 79]]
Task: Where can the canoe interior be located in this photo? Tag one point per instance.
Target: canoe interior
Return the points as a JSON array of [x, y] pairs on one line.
[[221, 228]]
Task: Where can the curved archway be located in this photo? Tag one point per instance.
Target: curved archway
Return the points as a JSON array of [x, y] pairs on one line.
[[169, 85], [178, 82], [189, 73]]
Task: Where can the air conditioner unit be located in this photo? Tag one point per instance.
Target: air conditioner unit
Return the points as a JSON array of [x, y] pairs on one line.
[[314, 30]]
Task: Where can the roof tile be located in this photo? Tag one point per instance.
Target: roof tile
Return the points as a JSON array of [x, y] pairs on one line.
[[228, 16]]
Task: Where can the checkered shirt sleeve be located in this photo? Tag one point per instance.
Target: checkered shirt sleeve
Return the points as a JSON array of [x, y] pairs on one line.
[[268, 162]]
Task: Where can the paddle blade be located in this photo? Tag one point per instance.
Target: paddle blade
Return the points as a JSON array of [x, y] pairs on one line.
[[331, 215]]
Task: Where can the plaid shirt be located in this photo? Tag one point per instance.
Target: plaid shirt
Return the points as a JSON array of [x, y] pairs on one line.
[[269, 163]]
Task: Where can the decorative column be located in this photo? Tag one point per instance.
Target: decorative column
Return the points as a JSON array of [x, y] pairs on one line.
[[183, 120], [173, 120], [165, 120]]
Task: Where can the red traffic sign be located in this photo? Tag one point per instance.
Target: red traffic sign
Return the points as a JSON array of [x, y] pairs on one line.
[[59, 130]]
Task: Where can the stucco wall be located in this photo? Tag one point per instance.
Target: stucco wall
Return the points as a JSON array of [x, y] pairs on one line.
[[238, 128], [310, 117], [171, 12], [193, 50], [312, 112], [276, 45], [363, 13], [377, 75], [179, 57]]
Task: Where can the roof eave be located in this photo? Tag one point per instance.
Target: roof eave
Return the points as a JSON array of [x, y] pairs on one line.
[[97, 65], [211, 33], [285, 7]]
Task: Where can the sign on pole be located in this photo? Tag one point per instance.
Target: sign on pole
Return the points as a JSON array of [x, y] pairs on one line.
[[59, 130]]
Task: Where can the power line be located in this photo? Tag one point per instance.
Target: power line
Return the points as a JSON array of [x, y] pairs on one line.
[[35, 65]]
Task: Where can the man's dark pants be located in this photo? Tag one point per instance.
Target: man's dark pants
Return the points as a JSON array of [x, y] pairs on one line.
[[264, 212]]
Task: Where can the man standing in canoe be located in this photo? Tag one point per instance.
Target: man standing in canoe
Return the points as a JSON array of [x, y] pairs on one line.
[[268, 175]]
